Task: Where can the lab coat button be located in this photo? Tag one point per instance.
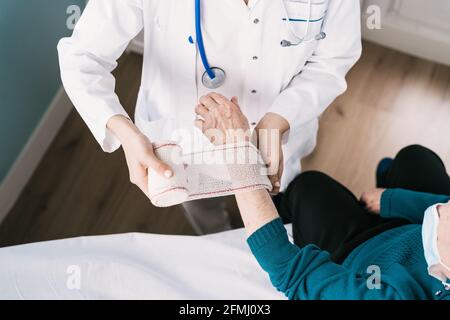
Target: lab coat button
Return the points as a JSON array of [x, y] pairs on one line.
[[253, 124], [254, 91], [255, 58], [256, 21]]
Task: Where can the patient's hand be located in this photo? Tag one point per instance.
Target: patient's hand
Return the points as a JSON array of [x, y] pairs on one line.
[[372, 200], [223, 122], [443, 241], [222, 119]]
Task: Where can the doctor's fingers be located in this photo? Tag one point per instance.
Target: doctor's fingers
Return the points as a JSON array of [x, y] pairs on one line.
[[275, 180], [275, 166], [150, 161], [275, 170]]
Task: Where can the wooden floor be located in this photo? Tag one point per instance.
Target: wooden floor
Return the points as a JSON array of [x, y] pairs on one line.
[[393, 100]]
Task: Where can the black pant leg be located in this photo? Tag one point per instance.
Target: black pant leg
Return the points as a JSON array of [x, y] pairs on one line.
[[419, 169], [325, 213]]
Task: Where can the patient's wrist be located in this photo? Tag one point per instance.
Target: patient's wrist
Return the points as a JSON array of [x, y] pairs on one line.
[[257, 209]]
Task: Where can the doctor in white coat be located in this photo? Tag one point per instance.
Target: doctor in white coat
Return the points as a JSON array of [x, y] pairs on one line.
[[285, 61]]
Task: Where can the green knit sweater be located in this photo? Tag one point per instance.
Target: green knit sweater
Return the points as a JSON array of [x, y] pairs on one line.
[[308, 272]]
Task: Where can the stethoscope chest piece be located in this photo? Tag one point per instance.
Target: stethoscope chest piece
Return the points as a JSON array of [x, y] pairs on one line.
[[217, 81]]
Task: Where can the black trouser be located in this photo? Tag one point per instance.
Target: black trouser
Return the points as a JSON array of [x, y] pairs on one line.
[[325, 213]]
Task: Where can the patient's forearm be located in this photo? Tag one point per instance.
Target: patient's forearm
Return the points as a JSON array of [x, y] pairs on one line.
[[257, 209]]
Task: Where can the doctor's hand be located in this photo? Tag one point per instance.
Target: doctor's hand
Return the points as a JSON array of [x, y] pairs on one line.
[[269, 136], [138, 151]]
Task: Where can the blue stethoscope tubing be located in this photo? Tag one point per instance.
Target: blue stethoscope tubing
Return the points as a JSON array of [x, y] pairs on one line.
[[215, 77], [199, 36]]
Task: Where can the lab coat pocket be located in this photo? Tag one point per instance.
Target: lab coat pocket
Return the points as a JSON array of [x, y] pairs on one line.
[[157, 123], [146, 109], [305, 20]]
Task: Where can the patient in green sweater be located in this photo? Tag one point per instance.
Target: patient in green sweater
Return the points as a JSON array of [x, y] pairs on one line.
[[392, 243], [368, 249]]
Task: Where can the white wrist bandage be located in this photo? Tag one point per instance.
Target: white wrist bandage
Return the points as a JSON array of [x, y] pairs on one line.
[[214, 172]]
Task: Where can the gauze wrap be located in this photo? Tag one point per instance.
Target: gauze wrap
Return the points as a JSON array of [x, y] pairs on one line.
[[213, 172]]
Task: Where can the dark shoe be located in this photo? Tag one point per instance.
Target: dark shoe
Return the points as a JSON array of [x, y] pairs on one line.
[[382, 168]]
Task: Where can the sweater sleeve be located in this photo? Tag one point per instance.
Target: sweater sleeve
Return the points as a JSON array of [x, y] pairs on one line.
[[308, 273], [409, 205]]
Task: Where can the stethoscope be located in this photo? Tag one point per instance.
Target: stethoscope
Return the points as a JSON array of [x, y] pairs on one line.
[[214, 77]]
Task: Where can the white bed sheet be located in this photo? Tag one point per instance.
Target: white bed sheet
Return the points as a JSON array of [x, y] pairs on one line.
[[135, 266]]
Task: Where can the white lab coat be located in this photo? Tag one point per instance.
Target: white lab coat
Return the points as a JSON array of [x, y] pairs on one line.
[[298, 83]]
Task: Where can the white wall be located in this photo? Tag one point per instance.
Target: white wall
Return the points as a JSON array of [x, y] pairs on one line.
[[417, 27]]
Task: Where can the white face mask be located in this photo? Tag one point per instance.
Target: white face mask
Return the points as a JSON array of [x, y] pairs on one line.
[[429, 237]]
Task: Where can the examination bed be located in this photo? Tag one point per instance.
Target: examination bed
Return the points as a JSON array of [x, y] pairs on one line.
[[135, 266]]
